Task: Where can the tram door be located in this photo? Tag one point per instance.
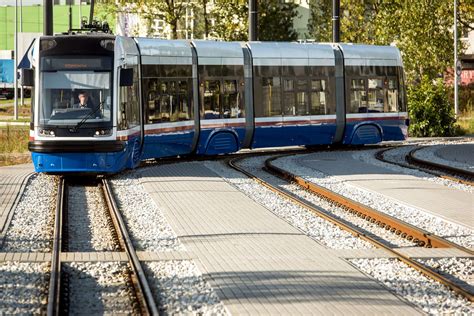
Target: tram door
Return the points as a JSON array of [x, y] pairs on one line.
[[222, 122], [129, 116]]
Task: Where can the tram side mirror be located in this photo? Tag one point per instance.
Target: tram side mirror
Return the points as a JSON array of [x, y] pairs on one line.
[[126, 77], [27, 77]]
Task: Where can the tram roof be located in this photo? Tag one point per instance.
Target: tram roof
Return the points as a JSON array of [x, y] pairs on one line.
[[296, 54], [370, 55]]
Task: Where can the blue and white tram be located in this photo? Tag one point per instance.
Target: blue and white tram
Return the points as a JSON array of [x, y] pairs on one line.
[[151, 98]]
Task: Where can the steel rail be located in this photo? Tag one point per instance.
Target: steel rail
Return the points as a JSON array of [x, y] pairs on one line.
[[379, 155], [395, 225], [355, 231], [143, 291], [447, 170], [54, 296]]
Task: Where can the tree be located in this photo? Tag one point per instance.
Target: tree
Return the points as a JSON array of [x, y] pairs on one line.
[[230, 20], [275, 20], [170, 11], [357, 20], [422, 29], [430, 111]]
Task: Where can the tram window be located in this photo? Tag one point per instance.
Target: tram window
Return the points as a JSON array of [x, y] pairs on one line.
[[129, 113], [319, 92], [266, 71], [60, 90], [231, 101], [232, 70], [402, 100], [184, 105], [375, 95], [211, 99], [358, 96], [301, 98], [392, 96], [268, 100], [321, 71], [153, 71], [167, 100], [289, 97], [293, 71]]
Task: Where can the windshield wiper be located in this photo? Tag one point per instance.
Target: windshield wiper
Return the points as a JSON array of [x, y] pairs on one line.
[[88, 116]]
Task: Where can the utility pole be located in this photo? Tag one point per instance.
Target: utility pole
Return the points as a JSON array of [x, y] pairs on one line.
[[15, 61], [22, 91], [91, 16], [253, 12], [336, 6], [48, 17], [456, 66]]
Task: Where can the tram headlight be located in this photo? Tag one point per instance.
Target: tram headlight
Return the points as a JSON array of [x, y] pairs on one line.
[[47, 132], [102, 132], [47, 44]]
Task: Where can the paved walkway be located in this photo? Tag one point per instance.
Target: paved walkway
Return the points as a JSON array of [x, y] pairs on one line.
[[454, 205], [258, 263], [463, 153], [12, 184]]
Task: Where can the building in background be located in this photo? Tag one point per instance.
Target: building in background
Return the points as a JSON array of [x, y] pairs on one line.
[[30, 18]]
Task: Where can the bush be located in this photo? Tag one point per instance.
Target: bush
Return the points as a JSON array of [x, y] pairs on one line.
[[431, 113]]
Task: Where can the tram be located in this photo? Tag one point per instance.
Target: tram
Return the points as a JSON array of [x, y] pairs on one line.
[[103, 103]]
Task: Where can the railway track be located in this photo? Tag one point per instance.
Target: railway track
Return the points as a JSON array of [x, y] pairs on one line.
[[439, 170], [398, 227], [143, 300]]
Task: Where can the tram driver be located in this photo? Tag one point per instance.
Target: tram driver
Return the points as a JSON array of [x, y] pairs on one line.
[[84, 101]]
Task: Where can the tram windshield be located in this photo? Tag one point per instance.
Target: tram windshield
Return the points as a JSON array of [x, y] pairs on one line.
[[75, 97]]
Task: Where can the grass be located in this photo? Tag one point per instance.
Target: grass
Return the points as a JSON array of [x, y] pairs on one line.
[[14, 145], [6, 108], [466, 122]]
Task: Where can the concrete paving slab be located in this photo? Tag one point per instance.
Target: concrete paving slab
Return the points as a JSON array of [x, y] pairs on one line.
[[258, 263], [454, 205]]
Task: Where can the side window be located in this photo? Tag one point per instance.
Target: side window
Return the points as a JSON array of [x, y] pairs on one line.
[[184, 96], [402, 99], [211, 99], [358, 96], [392, 96], [129, 104], [375, 95], [231, 101], [267, 94], [167, 93], [319, 98], [289, 97], [151, 100], [301, 98]]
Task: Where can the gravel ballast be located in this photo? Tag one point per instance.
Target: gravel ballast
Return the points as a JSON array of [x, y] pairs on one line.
[[432, 297], [88, 227], [180, 288], [146, 224], [31, 228], [434, 224], [23, 287], [98, 288], [177, 285]]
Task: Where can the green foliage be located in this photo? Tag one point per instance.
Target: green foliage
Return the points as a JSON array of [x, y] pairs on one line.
[[275, 20], [357, 20], [422, 29], [106, 12], [431, 113], [230, 20]]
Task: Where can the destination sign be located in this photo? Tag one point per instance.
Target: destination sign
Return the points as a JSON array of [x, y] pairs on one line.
[[54, 63]]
